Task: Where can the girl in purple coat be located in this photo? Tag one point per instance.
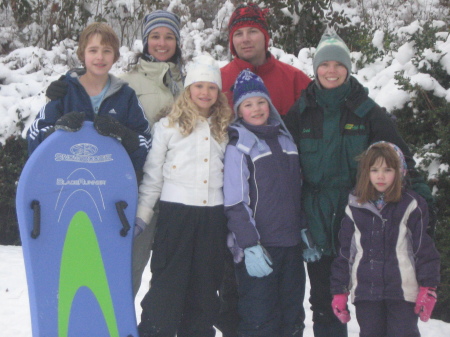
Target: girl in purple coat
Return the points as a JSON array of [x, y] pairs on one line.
[[386, 260]]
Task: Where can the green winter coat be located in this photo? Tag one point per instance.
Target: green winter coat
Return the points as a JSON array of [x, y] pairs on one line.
[[331, 128], [149, 80]]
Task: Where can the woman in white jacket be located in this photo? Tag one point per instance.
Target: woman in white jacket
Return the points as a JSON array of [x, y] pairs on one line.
[[156, 76], [157, 80]]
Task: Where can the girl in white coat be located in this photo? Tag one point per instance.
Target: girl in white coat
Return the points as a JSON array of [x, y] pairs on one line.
[[184, 169]]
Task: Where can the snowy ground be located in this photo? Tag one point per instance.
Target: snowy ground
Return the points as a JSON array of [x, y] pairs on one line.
[[15, 314]]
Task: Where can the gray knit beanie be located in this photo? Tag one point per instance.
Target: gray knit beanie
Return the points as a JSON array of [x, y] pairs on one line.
[[160, 18], [332, 48]]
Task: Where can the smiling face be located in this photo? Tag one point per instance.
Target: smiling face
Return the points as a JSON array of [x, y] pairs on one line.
[[254, 110], [331, 74], [98, 57], [249, 43], [381, 176], [162, 43], [204, 95]]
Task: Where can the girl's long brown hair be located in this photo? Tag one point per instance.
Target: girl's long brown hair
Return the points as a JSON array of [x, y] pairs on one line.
[[364, 190]]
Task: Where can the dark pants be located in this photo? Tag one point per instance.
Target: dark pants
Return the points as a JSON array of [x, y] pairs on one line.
[[273, 305], [388, 318], [228, 320], [326, 323], [187, 270]]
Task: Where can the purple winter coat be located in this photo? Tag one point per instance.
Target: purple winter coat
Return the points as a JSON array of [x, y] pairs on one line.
[[385, 254], [262, 186]]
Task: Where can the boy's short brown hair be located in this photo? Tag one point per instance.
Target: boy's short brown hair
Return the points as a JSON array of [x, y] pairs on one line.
[[109, 38]]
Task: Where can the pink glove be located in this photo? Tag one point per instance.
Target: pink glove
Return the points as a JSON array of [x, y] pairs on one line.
[[425, 303], [339, 305]]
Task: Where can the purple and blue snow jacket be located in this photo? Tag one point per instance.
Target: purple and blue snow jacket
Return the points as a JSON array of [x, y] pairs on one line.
[[262, 186], [120, 102], [385, 254]]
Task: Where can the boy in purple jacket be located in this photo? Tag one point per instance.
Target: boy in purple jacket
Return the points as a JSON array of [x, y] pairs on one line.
[[262, 185]]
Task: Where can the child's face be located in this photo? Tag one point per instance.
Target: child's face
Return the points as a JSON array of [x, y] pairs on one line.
[[98, 58], [162, 43], [204, 95], [254, 110], [331, 74], [381, 176]]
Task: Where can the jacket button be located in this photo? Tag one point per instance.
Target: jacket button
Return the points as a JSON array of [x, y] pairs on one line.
[[206, 138], [206, 160], [174, 166], [204, 201], [205, 181]]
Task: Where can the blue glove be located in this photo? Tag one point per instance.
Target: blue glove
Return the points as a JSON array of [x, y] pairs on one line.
[[139, 226], [310, 253], [257, 261]]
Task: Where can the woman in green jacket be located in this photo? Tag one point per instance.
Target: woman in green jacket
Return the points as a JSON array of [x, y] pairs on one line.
[[333, 122]]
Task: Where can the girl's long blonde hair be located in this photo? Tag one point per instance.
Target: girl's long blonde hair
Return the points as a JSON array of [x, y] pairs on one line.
[[185, 113]]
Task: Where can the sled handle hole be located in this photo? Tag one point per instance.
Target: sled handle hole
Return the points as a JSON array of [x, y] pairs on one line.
[[36, 207], [120, 206]]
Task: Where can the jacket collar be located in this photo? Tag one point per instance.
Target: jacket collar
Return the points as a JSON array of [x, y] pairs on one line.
[[259, 70], [357, 101], [116, 83]]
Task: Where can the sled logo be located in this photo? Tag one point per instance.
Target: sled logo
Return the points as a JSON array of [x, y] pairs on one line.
[[83, 153], [84, 149]]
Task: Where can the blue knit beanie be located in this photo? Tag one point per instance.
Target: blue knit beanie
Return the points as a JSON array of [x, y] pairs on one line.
[[332, 48], [159, 18], [249, 85]]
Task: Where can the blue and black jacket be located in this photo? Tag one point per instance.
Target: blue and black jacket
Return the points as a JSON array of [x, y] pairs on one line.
[[120, 102]]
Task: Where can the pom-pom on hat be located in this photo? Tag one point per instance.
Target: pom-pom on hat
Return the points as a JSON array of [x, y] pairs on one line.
[[203, 69], [332, 48], [159, 18], [248, 16]]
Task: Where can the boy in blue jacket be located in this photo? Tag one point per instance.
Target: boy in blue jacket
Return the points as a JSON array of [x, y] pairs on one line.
[[95, 95], [262, 184]]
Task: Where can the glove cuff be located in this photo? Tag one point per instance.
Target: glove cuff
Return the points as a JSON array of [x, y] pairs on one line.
[[130, 141]]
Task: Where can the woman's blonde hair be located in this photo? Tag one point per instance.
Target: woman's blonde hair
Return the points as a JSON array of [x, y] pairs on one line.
[[364, 189], [185, 113]]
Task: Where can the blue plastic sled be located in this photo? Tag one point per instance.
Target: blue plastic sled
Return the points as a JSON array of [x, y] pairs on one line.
[[76, 199]]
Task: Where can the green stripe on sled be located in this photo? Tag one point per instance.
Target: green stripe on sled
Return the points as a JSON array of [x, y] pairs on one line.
[[82, 266]]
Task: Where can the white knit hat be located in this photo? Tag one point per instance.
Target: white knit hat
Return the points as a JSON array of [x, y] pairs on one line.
[[203, 69]]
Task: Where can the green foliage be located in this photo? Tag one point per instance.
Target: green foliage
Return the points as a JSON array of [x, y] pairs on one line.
[[13, 155], [359, 38], [425, 124], [304, 25]]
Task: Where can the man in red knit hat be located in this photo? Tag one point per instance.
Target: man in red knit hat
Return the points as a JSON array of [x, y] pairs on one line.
[[249, 43]]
